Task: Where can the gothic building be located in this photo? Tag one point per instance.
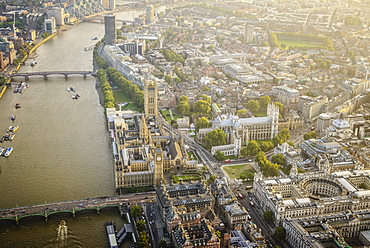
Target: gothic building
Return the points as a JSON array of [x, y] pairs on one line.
[[143, 151], [239, 131]]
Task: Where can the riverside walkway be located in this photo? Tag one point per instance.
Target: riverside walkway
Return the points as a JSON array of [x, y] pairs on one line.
[[45, 74], [74, 206]]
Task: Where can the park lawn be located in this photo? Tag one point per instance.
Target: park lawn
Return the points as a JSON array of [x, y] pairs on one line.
[[121, 96], [168, 118], [184, 178], [192, 156], [298, 43], [166, 115], [235, 171]]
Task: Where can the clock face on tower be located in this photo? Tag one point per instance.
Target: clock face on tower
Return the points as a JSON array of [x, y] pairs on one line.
[[159, 159]]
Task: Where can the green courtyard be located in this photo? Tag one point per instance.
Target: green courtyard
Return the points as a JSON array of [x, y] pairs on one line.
[[242, 171]]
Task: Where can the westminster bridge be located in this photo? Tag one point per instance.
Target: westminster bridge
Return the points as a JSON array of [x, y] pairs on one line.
[[72, 207]]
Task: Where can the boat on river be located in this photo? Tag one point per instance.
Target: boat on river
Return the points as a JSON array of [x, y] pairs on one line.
[[12, 129], [11, 136], [33, 63], [75, 96], [12, 117], [18, 105], [71, 89], [2, 149], [8, 152]]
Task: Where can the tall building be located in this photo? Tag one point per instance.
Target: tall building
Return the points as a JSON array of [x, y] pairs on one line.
[[112, 4], [149, 12], [110, 29], [151, 99], [248, 34]]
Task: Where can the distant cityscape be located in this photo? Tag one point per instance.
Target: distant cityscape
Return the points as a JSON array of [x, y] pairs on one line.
[[250, 120]]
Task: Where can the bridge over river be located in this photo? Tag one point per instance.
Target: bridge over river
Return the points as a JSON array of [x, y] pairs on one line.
[[45, 74], [74, 206]]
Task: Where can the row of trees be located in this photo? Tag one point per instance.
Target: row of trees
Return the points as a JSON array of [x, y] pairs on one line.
[[101, 63], [253, 147], [123, 83], [108, 97]]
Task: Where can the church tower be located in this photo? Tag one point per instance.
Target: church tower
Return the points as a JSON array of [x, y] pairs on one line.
[[150, 99], [158, 165]]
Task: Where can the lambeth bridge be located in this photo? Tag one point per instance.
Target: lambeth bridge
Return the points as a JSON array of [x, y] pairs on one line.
[[45, 74], [72, 207]]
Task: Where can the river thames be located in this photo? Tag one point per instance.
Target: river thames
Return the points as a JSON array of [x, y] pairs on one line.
[[62, 149]]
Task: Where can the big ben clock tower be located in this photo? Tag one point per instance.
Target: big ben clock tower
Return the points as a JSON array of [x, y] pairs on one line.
[[158, 166]]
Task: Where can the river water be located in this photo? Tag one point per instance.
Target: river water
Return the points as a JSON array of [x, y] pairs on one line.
[[62, 148]]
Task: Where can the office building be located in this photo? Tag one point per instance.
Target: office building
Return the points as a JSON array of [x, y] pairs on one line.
[[149, 12], [110, 29]]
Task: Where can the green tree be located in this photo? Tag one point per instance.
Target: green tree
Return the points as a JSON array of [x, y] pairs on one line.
[[273, 40], [202, 107], [244, 152], [310, 135], [278, 159], [202, 123], [283, 46], [2, 80], [211, 179], [265, 100], [241, 112], [140, 225], [216, 137], [168, 79], [183, 108], [143, 240], [285, 134], [252, 148], [363, 186], [280, 233], [220, 156], [268, 216], [183, 98], [207, 99], [135, 211], [266, 146], [253, 105], [162, 244], [280, 106]]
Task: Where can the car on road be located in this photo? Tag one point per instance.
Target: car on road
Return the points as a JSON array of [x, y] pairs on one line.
[[227, 161]]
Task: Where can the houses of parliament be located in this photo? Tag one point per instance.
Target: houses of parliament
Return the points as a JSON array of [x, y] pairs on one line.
[[143, 150]]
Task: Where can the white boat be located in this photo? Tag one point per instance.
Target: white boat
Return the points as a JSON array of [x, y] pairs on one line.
[[12, 129], [8, 152], [2, 149], [75, 96]]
